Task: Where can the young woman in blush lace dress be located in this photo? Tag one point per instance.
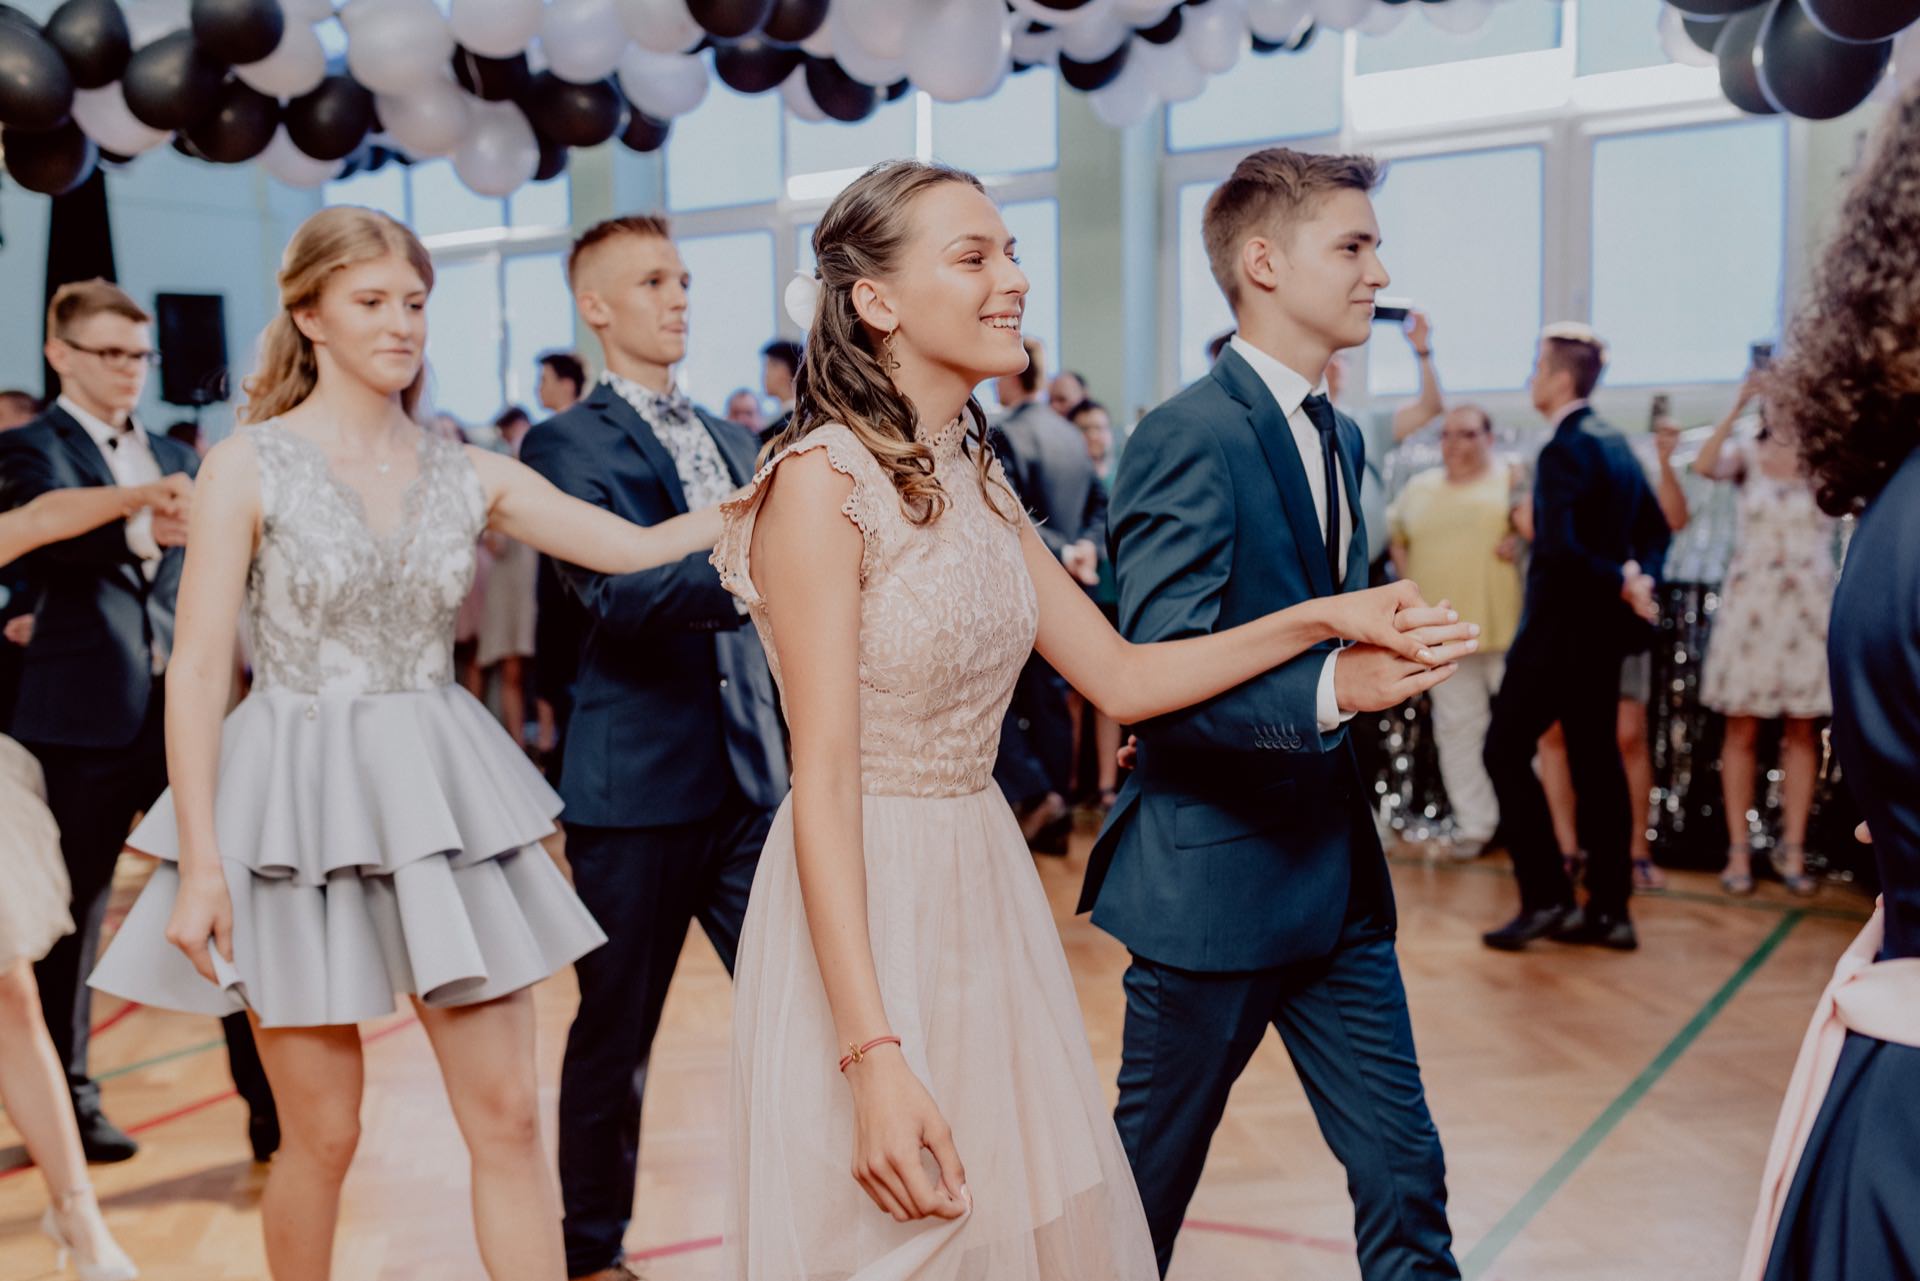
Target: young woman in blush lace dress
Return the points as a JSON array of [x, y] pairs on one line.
[[903, 1009], [361, 826]]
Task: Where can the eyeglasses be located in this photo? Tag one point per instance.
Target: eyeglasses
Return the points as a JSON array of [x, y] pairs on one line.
[[118, 357]]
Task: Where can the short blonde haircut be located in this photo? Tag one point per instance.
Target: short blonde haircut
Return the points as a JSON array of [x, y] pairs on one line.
[[82, 299], [1268, 193]]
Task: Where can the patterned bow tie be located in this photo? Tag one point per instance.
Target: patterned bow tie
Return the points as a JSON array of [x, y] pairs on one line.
[[671, 408]]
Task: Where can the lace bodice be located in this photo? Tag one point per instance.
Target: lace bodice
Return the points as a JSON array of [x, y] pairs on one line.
[[947, 616], [337, 608]]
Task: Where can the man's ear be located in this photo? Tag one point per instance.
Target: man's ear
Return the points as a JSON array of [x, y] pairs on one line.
[[593, 309], [1257, 263]]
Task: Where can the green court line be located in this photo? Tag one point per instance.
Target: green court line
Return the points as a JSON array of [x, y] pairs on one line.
[[158, 1059], [1491, 1246]]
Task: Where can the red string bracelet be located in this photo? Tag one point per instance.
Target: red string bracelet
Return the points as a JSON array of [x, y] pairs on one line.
[[856, 1053]]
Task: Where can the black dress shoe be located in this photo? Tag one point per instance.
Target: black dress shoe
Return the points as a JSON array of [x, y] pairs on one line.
[[1591, 928], [1525, 928], [263, 1132], [102, 1140]]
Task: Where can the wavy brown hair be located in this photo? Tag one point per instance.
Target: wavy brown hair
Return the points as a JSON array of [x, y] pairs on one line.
[[843, 378], [1847, 391], [337, 237]]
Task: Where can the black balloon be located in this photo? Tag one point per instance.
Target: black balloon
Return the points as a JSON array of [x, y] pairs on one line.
[[792, 21], [330, 122], [36, 89], [1739, 77], [898, 89], [730, 19], [1807, 73], [92, 37], [753, 65], [553, 158], [1088, 76], [644, 133], [839, 94], [237, 31], [239, 128], [494, 79], [1062, 5], [1863, 21], [170, 84], [1165, 31], [1715, 8], [50, 161], [1704, 32], [573, 115]]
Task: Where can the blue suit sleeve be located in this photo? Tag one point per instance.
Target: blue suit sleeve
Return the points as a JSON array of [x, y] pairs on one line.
[[1171, 543], [1557, 487], [685, 596]]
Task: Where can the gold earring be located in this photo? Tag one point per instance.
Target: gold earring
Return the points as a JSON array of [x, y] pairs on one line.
[[888, 360]]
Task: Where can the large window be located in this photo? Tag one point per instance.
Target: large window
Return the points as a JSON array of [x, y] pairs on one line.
[[1689, 235], [725, 152], [1416, 42], [1620, 35], [1035, 225], [823, 157], [1015, 131], [1474, 264], [1281, 95], [730, 315], [1204, 313]]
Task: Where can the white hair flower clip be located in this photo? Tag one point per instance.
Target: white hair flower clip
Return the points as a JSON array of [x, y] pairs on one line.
[[802, 299]]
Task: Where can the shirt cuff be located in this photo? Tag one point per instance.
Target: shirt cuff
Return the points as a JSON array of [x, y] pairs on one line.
[[1327, 705], [140, 539]]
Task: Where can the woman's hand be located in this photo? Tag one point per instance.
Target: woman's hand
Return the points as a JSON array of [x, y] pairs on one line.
[[1395, 618], [202, 911], [170, 496], [893, 1119]]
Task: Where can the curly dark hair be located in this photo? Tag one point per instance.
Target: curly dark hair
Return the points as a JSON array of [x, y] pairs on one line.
[[1847, 391]]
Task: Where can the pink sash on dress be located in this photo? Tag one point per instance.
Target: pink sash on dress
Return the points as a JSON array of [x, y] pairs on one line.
[[1877, 999]]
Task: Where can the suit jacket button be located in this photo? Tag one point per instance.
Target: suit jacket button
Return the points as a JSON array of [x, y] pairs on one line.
[[723, 682]]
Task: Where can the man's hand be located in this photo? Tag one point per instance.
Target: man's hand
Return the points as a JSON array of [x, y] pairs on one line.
[[19, 630], [1636, 589], [1129, 755], [1419, 331], [1370, 679], [1082, 560], [170, 531], [1508, 548]]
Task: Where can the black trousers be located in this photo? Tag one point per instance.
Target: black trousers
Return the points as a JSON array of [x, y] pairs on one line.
[[1583, 694], [644, 885], [1036, 737]]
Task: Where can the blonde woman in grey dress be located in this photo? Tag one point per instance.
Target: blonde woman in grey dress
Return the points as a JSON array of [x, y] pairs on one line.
[[361, 826], [33, 913]]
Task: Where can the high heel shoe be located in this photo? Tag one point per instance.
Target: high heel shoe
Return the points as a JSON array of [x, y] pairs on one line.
[[113, 1263], [1798, 883]]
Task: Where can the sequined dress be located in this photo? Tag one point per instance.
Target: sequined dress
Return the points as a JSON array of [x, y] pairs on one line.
[[968, 956], [379, 831]]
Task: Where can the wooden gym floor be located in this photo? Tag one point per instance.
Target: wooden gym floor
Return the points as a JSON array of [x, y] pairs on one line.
[[1605, 1116]]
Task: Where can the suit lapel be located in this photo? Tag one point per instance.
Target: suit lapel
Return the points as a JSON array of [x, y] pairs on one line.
[[80, 447], [1270, 428], [613, 407], [736, 453]]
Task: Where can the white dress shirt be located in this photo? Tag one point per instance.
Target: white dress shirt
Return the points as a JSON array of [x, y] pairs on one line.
[[1290, 391], [130, 458]]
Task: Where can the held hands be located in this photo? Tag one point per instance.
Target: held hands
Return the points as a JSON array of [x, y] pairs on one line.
[[1082, 560], [171, 499], [894, 1118], [1394, 618], [1636, 589], [202, 912], [1666, 436], [19, 631]]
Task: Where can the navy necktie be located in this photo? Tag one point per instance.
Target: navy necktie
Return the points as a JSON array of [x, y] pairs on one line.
[[1319, 411]]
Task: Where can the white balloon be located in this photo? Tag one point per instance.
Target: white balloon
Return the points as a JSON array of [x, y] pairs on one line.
[[1458, 17], [663, 85], [959, 49], [1172, 75], [103, 116], [879, 27], [1276, 21], [867, 68], [430, 121], [500, 152], [393, 45], [1144, 13], [293, 166], [1215, 36], [1119, 109], [1035, 47], [820, 43], [1906, 57], [793, 91], [663, 26], [495, 28], [297, 65], [1678, 45], [1339, 15], [583, 39], [1093, 40], [307, 10], [1383, 19]]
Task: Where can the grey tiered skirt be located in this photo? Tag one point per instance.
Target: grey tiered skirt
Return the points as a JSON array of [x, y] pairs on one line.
[[373, 845]]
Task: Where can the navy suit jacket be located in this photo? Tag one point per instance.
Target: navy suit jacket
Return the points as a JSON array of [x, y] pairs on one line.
[[1593, 511], [87, 677], [673, 697], [1236, 843]]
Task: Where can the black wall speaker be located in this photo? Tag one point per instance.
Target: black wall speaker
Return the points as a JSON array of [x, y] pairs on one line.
[[193, 347]]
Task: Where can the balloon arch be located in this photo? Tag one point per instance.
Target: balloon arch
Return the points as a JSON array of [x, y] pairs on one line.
[[507, 87]]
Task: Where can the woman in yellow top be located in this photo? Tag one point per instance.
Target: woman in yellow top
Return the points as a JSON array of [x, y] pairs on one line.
[[1452, 531]]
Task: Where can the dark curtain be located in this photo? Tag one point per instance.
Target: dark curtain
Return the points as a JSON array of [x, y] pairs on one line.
[[79, 245]]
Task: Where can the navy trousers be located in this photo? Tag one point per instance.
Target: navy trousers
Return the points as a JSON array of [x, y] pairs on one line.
[[1343, 1019], [644, 885]]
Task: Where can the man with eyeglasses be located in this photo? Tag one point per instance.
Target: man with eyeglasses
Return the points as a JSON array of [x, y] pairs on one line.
[[91, 700]]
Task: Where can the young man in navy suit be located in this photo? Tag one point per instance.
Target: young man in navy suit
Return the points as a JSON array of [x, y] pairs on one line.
[[1240, 865], [674, 759]]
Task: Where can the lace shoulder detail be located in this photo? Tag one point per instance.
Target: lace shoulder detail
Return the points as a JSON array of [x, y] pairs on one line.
[[285, 470], [873, 507]]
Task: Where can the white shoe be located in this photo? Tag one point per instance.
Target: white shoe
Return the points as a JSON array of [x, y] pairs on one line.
[[113, 1263], [1465, 850]]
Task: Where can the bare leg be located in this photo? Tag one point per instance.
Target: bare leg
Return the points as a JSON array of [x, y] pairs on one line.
[[1637, 757], [316, 1074], [1736, 785], [1556, 779], [1077, 717], [513, 700], [34, 1089], [1800, 762], [549, 725], [486, 1055]]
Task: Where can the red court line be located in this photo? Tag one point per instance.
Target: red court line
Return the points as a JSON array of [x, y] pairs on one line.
[[1281, 1235], [667, 1251], [116, 1016], [200, 1105]]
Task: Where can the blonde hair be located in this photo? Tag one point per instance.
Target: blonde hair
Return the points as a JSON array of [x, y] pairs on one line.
[[1269, 192], [842, 377], [82, 299], [335, 238]]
